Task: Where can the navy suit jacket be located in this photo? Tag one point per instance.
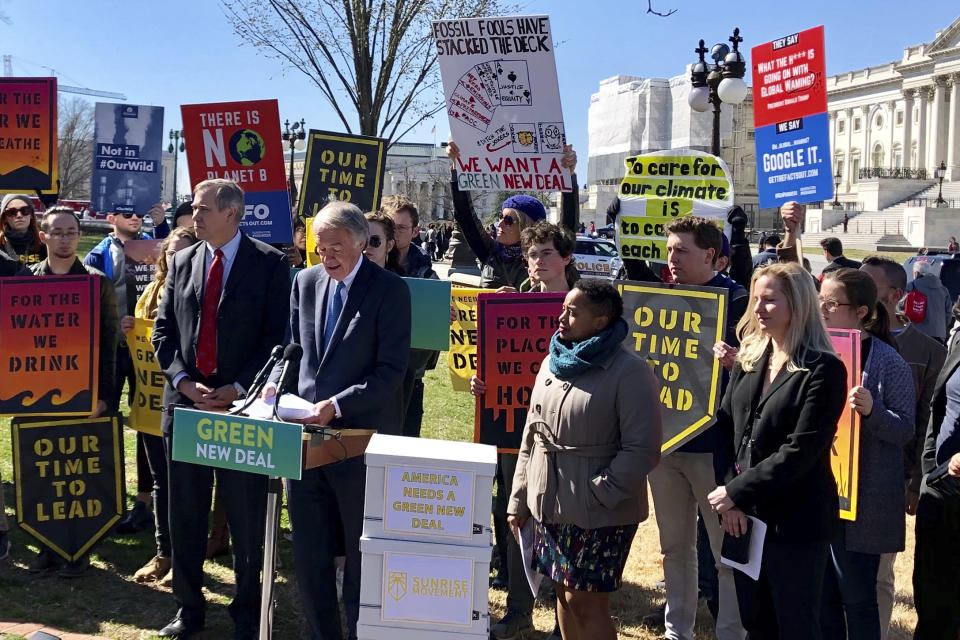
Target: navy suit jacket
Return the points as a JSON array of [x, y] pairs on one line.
[[251, 317], [363, 367]]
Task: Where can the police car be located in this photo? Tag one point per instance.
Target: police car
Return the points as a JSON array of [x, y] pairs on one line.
[[597, 258]]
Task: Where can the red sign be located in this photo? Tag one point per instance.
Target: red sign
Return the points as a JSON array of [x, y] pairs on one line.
[[28, 134], [514, 331], [238, 141], [49, 338], [789, 78]]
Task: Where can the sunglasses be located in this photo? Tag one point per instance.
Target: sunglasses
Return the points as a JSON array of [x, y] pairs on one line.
[[506, 219], [25, 211], [130, 215], [375, 242]]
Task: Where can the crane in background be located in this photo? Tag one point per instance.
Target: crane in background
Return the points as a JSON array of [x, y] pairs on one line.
[[61, 88]]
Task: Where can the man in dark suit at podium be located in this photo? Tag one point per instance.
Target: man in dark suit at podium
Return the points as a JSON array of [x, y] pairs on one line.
[[224, 308], [352, 319]]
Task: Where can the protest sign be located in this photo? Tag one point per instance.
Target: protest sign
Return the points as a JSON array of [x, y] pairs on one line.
[[313, 258], [240, 141], [28, 135], [69, 480], [428, 588], [500, 86], [344, 167], [513, 338], [430, 307], [664, 185], [845, 452], [673, 328], [140, 263], [127, 147], [50, 339], [266, 447], [146, 408], [790, 118], [462, 350]]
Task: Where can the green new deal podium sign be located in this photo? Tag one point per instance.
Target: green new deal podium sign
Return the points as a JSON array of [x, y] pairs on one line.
[[226, 441]]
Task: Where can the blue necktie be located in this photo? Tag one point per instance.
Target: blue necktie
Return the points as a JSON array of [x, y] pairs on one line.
[[333, 314]]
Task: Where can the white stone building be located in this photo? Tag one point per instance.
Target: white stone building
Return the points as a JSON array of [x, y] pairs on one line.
[[891, 125]]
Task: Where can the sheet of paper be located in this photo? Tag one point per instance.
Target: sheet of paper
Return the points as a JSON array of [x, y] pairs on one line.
[[526, 552], [755, 556], [292, 407]]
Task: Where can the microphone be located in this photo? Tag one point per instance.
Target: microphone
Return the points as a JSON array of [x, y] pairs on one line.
[[291, 354], [261, 378]]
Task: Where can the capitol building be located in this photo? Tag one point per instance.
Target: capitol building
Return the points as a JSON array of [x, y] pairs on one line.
[[899, 120]]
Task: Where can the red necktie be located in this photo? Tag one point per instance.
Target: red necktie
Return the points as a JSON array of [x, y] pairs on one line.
[[207, 339]]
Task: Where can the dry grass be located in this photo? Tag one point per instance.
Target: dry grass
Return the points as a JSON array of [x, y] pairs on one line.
[[107, 602]]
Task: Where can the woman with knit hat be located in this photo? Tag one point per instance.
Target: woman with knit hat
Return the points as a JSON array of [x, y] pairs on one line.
[[501, 258], [19, 230]]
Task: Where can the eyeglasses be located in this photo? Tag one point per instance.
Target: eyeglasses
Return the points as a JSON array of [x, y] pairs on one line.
[[833, 305], [130, 215], [541, 255], [15, 212], [65, 235], [506, 219], [375, 242]]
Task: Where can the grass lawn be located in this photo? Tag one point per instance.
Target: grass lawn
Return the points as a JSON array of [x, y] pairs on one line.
[[107, 602], [860, 254]]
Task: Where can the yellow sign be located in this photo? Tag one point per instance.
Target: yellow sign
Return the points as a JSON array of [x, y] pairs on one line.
[[313, 258], [665, 185], [145, 410], [462, 355]]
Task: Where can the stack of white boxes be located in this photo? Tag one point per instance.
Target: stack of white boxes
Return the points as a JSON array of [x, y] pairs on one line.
[[426, 541]]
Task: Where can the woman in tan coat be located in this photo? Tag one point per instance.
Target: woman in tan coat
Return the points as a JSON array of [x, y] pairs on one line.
[[593, 433]]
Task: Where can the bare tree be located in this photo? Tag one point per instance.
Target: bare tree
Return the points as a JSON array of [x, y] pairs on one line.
[[378, 54], [75, 151]]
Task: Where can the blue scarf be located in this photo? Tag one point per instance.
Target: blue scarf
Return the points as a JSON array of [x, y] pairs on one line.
[[570, 359]]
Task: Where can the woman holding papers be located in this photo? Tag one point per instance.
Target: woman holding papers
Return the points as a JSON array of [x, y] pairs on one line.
[[780, 411], [592, 435], [886, 404], [158, 569]]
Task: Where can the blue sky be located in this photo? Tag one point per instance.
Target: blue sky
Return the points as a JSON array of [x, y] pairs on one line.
[[181, 52]]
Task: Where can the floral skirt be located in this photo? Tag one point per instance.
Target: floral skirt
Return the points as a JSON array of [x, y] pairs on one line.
[[582, 559]]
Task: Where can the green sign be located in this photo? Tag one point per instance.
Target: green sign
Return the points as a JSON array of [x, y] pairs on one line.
[[430, 311], [237, 442]]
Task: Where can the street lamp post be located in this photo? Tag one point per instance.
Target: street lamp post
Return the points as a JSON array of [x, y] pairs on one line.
[[836, 189], [721, 83], [176, 148], [939, 174], [294, 135]]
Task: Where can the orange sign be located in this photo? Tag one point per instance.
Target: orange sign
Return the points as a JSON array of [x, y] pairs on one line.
[[845, 452], [28, 134], [49, 341]]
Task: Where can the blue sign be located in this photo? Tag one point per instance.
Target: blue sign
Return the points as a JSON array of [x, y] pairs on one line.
[[267, 217], [793, 161], [127, 147]]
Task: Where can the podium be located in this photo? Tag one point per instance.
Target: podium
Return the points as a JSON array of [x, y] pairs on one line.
[[272, 448]]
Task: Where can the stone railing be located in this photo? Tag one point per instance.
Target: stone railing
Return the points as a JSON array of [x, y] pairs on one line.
[[898, 173]]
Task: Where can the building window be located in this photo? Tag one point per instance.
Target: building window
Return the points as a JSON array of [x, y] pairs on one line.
[[856, 124], [839, 163], [841, 125], [898, 159], [878, 156], [899, 118], [855, 170], [878, 121]]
